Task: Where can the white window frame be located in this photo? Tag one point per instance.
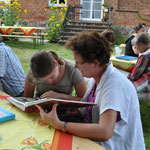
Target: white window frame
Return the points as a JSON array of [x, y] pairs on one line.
[[57, 5], [5, 1]]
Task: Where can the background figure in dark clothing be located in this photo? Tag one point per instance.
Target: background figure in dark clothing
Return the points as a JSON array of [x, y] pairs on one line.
[[140, 27]]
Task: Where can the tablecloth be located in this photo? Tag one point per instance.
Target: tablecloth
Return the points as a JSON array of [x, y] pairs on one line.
[[28, 131], [123, 64], [7, 29]]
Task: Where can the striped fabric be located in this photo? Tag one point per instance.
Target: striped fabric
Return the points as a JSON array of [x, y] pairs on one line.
[[11, 71], [140, 77]]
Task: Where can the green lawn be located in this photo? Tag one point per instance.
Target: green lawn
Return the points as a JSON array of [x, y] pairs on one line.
[[24, 52]]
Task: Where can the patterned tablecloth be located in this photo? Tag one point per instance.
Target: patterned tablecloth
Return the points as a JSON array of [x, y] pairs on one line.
[[123, 64], [25, 30], [7, 29], [28, 131]]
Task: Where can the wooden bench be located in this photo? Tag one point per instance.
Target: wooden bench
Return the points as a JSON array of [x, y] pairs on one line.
[[42, 35], [37, 40]]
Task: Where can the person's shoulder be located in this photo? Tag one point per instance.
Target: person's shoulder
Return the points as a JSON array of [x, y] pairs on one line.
[[130, 38], [69, 64], [4, 47]]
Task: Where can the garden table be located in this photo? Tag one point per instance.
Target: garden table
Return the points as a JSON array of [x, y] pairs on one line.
[[28, 131], [34, 33], [126, 65]]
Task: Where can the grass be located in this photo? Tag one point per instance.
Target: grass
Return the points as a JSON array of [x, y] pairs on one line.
[[24, 51]]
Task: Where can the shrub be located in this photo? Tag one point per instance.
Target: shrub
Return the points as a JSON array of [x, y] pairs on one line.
[[56, 17], [11, 13], [120, 39]]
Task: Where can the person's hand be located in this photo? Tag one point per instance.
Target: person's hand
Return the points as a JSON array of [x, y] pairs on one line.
[[50, 94], [51, 118]]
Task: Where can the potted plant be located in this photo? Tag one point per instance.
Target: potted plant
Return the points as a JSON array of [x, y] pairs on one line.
[[105, 11]]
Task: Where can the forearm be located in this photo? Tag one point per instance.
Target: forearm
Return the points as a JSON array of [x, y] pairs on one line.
[[101, 131], [69, 97], [91, 131], [28, 89], [53, 94]]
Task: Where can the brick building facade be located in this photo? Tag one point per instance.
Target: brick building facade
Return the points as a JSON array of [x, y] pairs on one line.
[[124, 13]]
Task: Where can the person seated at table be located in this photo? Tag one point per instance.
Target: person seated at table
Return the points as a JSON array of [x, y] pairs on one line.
[[148, 32], [140, 27], [12, 76], [53, 77], [109, 35], [140, 75], [115, 122]]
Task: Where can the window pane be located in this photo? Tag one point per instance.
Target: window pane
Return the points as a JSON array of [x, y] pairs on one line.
[[85, 14], [61, 1]]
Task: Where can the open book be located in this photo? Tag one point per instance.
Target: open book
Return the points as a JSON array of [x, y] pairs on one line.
[[5, 115], [28, 104]]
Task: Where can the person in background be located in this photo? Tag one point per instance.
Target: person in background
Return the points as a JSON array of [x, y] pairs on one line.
[[148, 32], [12, 76], [115, 122], [109, 35], [140, 27], [140, 75], [53, 77]]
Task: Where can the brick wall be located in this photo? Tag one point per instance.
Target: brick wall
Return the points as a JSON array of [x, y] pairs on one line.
[[36, 9], [125, 12]]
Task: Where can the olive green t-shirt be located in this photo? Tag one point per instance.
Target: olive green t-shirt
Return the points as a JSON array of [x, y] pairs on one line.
[[72, 77]]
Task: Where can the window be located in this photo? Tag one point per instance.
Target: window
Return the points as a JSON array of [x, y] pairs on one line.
[[57, 3], [5, 1]]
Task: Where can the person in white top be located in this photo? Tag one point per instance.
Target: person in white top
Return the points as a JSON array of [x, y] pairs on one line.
[[115, 122]]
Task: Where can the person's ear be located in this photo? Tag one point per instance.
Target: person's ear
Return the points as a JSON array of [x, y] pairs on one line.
[[55, 63], [97, 62]]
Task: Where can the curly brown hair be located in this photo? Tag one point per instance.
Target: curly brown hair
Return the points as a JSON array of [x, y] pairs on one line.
[[42, 63], [109, 35], [91, 46]]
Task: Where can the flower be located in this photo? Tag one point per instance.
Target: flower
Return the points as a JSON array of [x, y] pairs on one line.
[[25, 11], [57, 25], [29, 141]]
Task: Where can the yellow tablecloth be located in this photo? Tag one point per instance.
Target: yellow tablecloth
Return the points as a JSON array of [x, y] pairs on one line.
[[28, 131], [27, 30], [123, 64]]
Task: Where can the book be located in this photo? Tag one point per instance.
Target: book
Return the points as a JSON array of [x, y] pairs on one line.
[[28, 104], [5, 115], [126, 57]]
